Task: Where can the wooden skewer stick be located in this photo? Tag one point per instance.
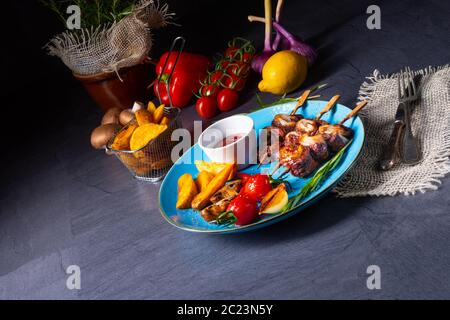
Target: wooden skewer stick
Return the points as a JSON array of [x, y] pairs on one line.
[[261, 162], [284, 173], [301, 101], [329, 105], [278, 166], [352, 113]]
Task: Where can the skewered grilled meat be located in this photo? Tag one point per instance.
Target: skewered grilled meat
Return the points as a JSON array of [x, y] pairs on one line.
[[286, 122], [275, 133], [292, 139], [298, 159], [317, 146], [336, 135], [309, 126], [269, 153], [270, 139]]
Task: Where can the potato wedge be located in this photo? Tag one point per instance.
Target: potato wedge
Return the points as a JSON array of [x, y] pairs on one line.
[[158, 114], [143, 117], [203, 179], [187, 190], [213, 167], [151, 107], [122, 139], [182, 180], [202, 199], [144, 134], [165, 120]]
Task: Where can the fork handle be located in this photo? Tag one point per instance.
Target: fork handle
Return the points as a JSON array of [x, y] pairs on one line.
[[392, 153], [410, 153]]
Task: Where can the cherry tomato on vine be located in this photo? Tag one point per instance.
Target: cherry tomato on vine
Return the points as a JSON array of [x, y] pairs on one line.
[[222, 64], [230, 52], [247, 57], [244, 209], [237, 68], [233, 68], [215, 76], [233, 82], [240, 84], [257, 186], [206, 107], [209, 90], [227, 99]]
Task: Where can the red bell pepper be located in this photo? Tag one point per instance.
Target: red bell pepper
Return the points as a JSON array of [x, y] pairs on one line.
[[190, 69]]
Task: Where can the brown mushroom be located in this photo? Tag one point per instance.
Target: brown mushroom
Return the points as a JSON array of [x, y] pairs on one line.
[[111, 116], [126, 116], [102, 134]]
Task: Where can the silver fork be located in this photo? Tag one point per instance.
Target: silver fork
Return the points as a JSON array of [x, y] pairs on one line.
[[410, 152], [402, 144]]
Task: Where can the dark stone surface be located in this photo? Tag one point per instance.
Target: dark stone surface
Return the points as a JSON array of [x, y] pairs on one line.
[[63, 203]]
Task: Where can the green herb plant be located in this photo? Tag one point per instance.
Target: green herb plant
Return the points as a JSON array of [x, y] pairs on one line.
[[94, 13]]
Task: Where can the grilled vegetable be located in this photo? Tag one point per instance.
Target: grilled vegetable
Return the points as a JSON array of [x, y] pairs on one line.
[[228, 191], [257, 186], [275, 200], [211, 212], [244, 209]]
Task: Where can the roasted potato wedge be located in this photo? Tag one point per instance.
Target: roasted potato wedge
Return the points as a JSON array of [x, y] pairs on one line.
[[187, 190], [203, 179], [158, 114], [144, 134], [203, 198], [143, 117], [151, 107], [122, 139], [213, 167], [165, 120]]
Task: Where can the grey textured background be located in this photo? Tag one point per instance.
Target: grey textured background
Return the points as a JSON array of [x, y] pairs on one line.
[[63, 203]]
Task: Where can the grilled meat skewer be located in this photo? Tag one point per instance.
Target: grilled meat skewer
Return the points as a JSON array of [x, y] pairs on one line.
[[316, 144], [336, 135], [309, 126], [299, 160], [286, 122]]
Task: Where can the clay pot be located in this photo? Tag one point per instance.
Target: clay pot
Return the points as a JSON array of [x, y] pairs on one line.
[[109, 92]]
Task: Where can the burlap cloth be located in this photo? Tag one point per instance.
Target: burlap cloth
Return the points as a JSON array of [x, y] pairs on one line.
[[430, 124], [114, 46]]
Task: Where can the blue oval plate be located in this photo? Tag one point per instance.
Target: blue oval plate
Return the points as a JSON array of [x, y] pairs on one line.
[[190, 220]]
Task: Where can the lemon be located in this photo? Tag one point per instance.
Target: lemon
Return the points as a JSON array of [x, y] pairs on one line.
[[283, 72]]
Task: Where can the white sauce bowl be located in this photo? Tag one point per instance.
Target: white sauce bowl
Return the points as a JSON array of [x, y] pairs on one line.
[[243, 151]]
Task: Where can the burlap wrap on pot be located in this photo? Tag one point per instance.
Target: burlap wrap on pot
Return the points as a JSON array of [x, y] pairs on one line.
[[109, 48], [430, 124]]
